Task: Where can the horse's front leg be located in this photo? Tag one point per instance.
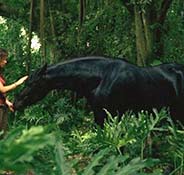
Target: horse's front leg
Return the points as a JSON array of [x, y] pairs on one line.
[[99, 116], [98, 110]]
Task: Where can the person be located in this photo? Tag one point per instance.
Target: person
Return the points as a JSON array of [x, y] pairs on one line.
[[5, 104]]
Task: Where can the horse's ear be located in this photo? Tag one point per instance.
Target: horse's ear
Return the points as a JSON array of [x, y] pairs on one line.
[[43, 69]]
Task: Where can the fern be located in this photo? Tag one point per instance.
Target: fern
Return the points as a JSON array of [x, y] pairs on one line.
[[18, 148]]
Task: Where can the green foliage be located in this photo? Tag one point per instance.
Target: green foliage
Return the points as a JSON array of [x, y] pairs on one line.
[[132, 136], [143, 3], [16, 3], [174, 33], [116, 165], [97, 35], [146, 144], [177, 148], [99, 164], [62, 111], [130, 132], [114, 133], [62, 167], [19, 146]]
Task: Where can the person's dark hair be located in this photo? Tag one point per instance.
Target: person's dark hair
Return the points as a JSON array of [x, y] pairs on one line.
[[3, 53]]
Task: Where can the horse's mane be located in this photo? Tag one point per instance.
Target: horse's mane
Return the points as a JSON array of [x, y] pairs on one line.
[[90, 58], [35, 73], [79, 59]]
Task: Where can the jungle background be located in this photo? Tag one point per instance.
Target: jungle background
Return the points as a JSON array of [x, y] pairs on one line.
[[58, 135]]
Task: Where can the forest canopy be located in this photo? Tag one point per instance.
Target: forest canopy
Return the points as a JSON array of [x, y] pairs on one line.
[[142, 31]]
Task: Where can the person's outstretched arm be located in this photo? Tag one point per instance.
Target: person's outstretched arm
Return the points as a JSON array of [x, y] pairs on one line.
[[8, 88]]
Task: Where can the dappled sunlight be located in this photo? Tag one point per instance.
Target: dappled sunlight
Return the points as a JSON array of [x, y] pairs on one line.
[[35, 43]]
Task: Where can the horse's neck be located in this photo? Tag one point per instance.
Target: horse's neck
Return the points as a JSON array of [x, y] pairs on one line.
[[77, 77]]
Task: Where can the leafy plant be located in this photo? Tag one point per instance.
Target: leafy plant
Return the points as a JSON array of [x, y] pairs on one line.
[[104, 163], [17, 149], [176, 139]]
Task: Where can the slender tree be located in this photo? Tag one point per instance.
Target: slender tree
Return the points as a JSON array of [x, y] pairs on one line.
[[82, 11], [53, 31], [28, 66], [42, 30]]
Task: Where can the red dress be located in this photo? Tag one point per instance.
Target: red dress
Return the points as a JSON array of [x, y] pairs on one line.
[[2, 95]]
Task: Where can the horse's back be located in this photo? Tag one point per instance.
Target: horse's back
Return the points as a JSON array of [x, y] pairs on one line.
[[141, 88]]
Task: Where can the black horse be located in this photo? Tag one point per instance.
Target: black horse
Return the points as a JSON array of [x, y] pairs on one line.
[[113, 84]]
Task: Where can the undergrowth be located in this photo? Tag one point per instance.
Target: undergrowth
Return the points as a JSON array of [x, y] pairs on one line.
[[62, 139]]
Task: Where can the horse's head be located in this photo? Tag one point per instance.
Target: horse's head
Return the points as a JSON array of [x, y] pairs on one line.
[[35, 89]]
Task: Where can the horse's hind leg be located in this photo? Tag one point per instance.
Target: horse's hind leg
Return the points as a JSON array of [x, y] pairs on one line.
[[177, 113]]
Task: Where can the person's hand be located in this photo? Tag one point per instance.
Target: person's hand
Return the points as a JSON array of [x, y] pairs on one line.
[[21, 80], [10, 105]]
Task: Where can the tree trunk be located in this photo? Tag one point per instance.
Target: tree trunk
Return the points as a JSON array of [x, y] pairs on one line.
[[28, 60], [53, 53], [161, 16], [149, 21], [81, 12], [144, 37], [42, 31]]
